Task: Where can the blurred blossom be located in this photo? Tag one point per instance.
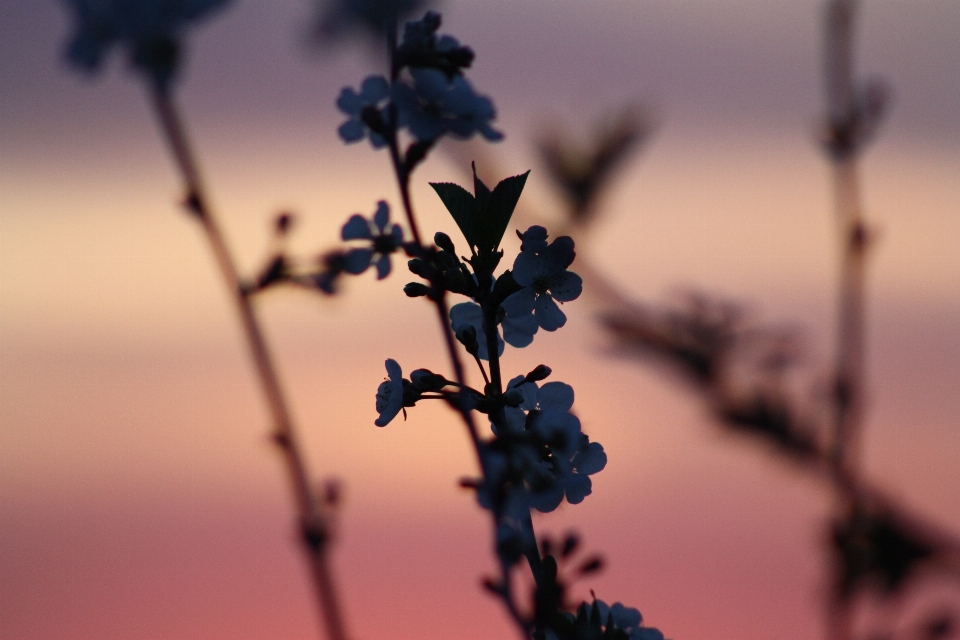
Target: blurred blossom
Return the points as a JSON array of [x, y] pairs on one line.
[[437, 104], [373, 94], [384, 240], [148, 30]]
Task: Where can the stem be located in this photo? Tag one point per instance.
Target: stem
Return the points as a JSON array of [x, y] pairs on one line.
[[310, 510], [849, 366], [483, 371], [532, 552], [443, 315], [403, 179], [490, 329], [851, 320]]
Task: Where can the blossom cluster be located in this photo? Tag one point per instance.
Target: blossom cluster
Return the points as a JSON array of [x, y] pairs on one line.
[[427, 95], [535, 454], [600, 620], [540, 455]]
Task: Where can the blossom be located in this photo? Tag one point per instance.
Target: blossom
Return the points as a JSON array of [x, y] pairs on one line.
[[626, 619], [469, 314], [422, 48], [543, 415], [149, 30], [541, 270], [373, 91], [437, 104], [390, 394], [384, 240]]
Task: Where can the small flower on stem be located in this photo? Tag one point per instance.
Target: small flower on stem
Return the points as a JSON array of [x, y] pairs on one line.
[[541, 270], [364, 108], [384, 240], [390, 394], [437, 104]]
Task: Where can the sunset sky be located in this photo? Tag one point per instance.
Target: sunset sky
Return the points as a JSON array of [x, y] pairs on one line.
[[139, 496]]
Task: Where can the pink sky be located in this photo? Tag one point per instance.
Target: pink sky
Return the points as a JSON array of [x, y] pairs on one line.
[[138, 495]]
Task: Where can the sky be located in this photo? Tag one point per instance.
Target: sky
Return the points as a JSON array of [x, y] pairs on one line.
[[139, 496]]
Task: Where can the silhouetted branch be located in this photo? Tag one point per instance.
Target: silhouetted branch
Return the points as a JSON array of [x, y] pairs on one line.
[[311, 510]]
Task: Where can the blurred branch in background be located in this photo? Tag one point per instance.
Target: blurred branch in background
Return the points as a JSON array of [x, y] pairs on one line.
[[151, 35], [893, 574]]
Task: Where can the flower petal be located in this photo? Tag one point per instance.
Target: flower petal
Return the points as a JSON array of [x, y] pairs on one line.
[[374, 89], [548, 499], [625, 617], [534, 239], [351, 131], [356, 261], [527, 267], [559, 429], [390, 394], [566, 287], [350, 102], [382, 216], [356, 228], [519, 332], [377, 141], [393, 369], [383, 267], [521, 303], [590, 460], [577, 487], [555, 396], [466, 314], [560, 254], [548, 313]]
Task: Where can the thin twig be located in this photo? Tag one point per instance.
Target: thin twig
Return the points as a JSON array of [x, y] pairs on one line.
[[310, 510]]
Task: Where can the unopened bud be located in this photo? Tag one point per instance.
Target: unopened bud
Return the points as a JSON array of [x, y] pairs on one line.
[[420, 268], [468, 338], [443, 241], [542, 372], [426, 380], [416, 289]]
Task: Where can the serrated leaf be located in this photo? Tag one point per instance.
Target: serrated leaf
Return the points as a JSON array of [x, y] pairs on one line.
[[462, 206], [497, 214], [480, 190]]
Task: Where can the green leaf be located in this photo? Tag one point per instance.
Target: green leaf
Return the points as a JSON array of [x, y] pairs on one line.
[[462, 206]]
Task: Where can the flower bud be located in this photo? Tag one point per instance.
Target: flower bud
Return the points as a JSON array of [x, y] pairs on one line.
[[416, 289], [443, 241], [542, 372], [420, 267], [468, 338], [426, 380]]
